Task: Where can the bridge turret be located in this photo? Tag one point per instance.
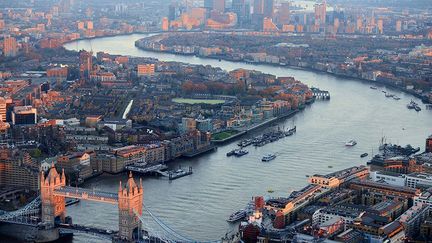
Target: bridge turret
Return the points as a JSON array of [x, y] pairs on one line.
[[130, 206], [52, 206]]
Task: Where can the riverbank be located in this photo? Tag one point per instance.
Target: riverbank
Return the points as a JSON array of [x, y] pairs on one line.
[[254, 127], [424, 99]]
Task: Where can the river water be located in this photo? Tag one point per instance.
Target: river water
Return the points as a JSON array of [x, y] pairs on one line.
[[198, 205]]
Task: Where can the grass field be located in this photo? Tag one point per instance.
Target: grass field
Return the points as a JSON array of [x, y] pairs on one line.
[[223, 135], [197, 101]]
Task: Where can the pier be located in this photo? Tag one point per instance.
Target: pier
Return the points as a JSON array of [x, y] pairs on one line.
[[172, 175], [145, 169], [320, 94]]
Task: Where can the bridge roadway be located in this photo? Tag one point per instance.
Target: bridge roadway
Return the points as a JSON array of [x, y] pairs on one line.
[[74, 228], [87, 194]]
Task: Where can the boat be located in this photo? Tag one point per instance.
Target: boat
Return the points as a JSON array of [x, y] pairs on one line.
[[364, 155], [330, 166], [71, 201], [413, 106], [268, 157], [351, 143], [232, 152], [373, 87], [396, 98], [237, 216], [241, 152], [245, 143]]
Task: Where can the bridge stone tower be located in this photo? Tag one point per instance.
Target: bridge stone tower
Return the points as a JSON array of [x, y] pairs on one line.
[[130, 203], [52, 206]]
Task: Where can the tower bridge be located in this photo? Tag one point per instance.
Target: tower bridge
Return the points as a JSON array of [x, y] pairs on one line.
[[47, 213]]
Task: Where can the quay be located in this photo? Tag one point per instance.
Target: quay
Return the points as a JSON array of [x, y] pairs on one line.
[[244, 131], [204, 150]]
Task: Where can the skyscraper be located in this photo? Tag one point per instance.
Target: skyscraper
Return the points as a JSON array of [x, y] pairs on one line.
[[283, 15], [86, 64], [258, 7], [239, 8], [268, 8], [219, 5], [10, 47], [209, 4]]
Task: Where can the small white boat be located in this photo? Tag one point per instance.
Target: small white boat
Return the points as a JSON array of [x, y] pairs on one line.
[[268, 157], [351, 143]]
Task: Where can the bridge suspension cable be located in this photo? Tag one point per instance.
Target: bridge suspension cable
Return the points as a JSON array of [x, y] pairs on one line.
[[171, 232]]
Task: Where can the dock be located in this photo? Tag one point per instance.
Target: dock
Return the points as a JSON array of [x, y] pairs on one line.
[[145, 169], [172, 175], [320, 94]]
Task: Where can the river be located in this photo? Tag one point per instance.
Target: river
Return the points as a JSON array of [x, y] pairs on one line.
[[198, 205]]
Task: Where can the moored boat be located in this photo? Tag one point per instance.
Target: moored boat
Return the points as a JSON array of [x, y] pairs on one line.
[[351, 143], [268, 157], [232, 152], [364, 155], [237, 216], [241, 152]]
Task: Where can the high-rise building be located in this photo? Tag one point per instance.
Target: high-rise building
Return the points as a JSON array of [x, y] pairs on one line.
[[239, 8], [398, 26], [380, 26], [3, 109], [209, 5], [172, 12], [258, 7], [429, 144], [89, 25], [219, 5], [165, 24], [86, 64], [10, 47], [320, 12], [268, 8], [283, 16], [24, 115]]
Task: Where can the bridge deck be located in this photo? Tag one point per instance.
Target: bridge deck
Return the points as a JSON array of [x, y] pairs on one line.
[[87, 194]]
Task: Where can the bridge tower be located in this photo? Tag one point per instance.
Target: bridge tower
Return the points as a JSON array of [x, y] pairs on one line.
[[52, 206], [130, 203]]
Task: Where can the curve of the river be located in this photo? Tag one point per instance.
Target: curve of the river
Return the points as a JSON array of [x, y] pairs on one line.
[[198, 205]]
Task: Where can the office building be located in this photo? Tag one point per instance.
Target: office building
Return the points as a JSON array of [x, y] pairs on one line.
[[86, 64], [268, 8], [145, 69], [415, 180], [10, 47], [219, 5], [429, 144], [24, 115]]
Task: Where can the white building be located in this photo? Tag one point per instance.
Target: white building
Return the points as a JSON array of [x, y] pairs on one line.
[[418, 179], [423, 198], [393, 179]]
